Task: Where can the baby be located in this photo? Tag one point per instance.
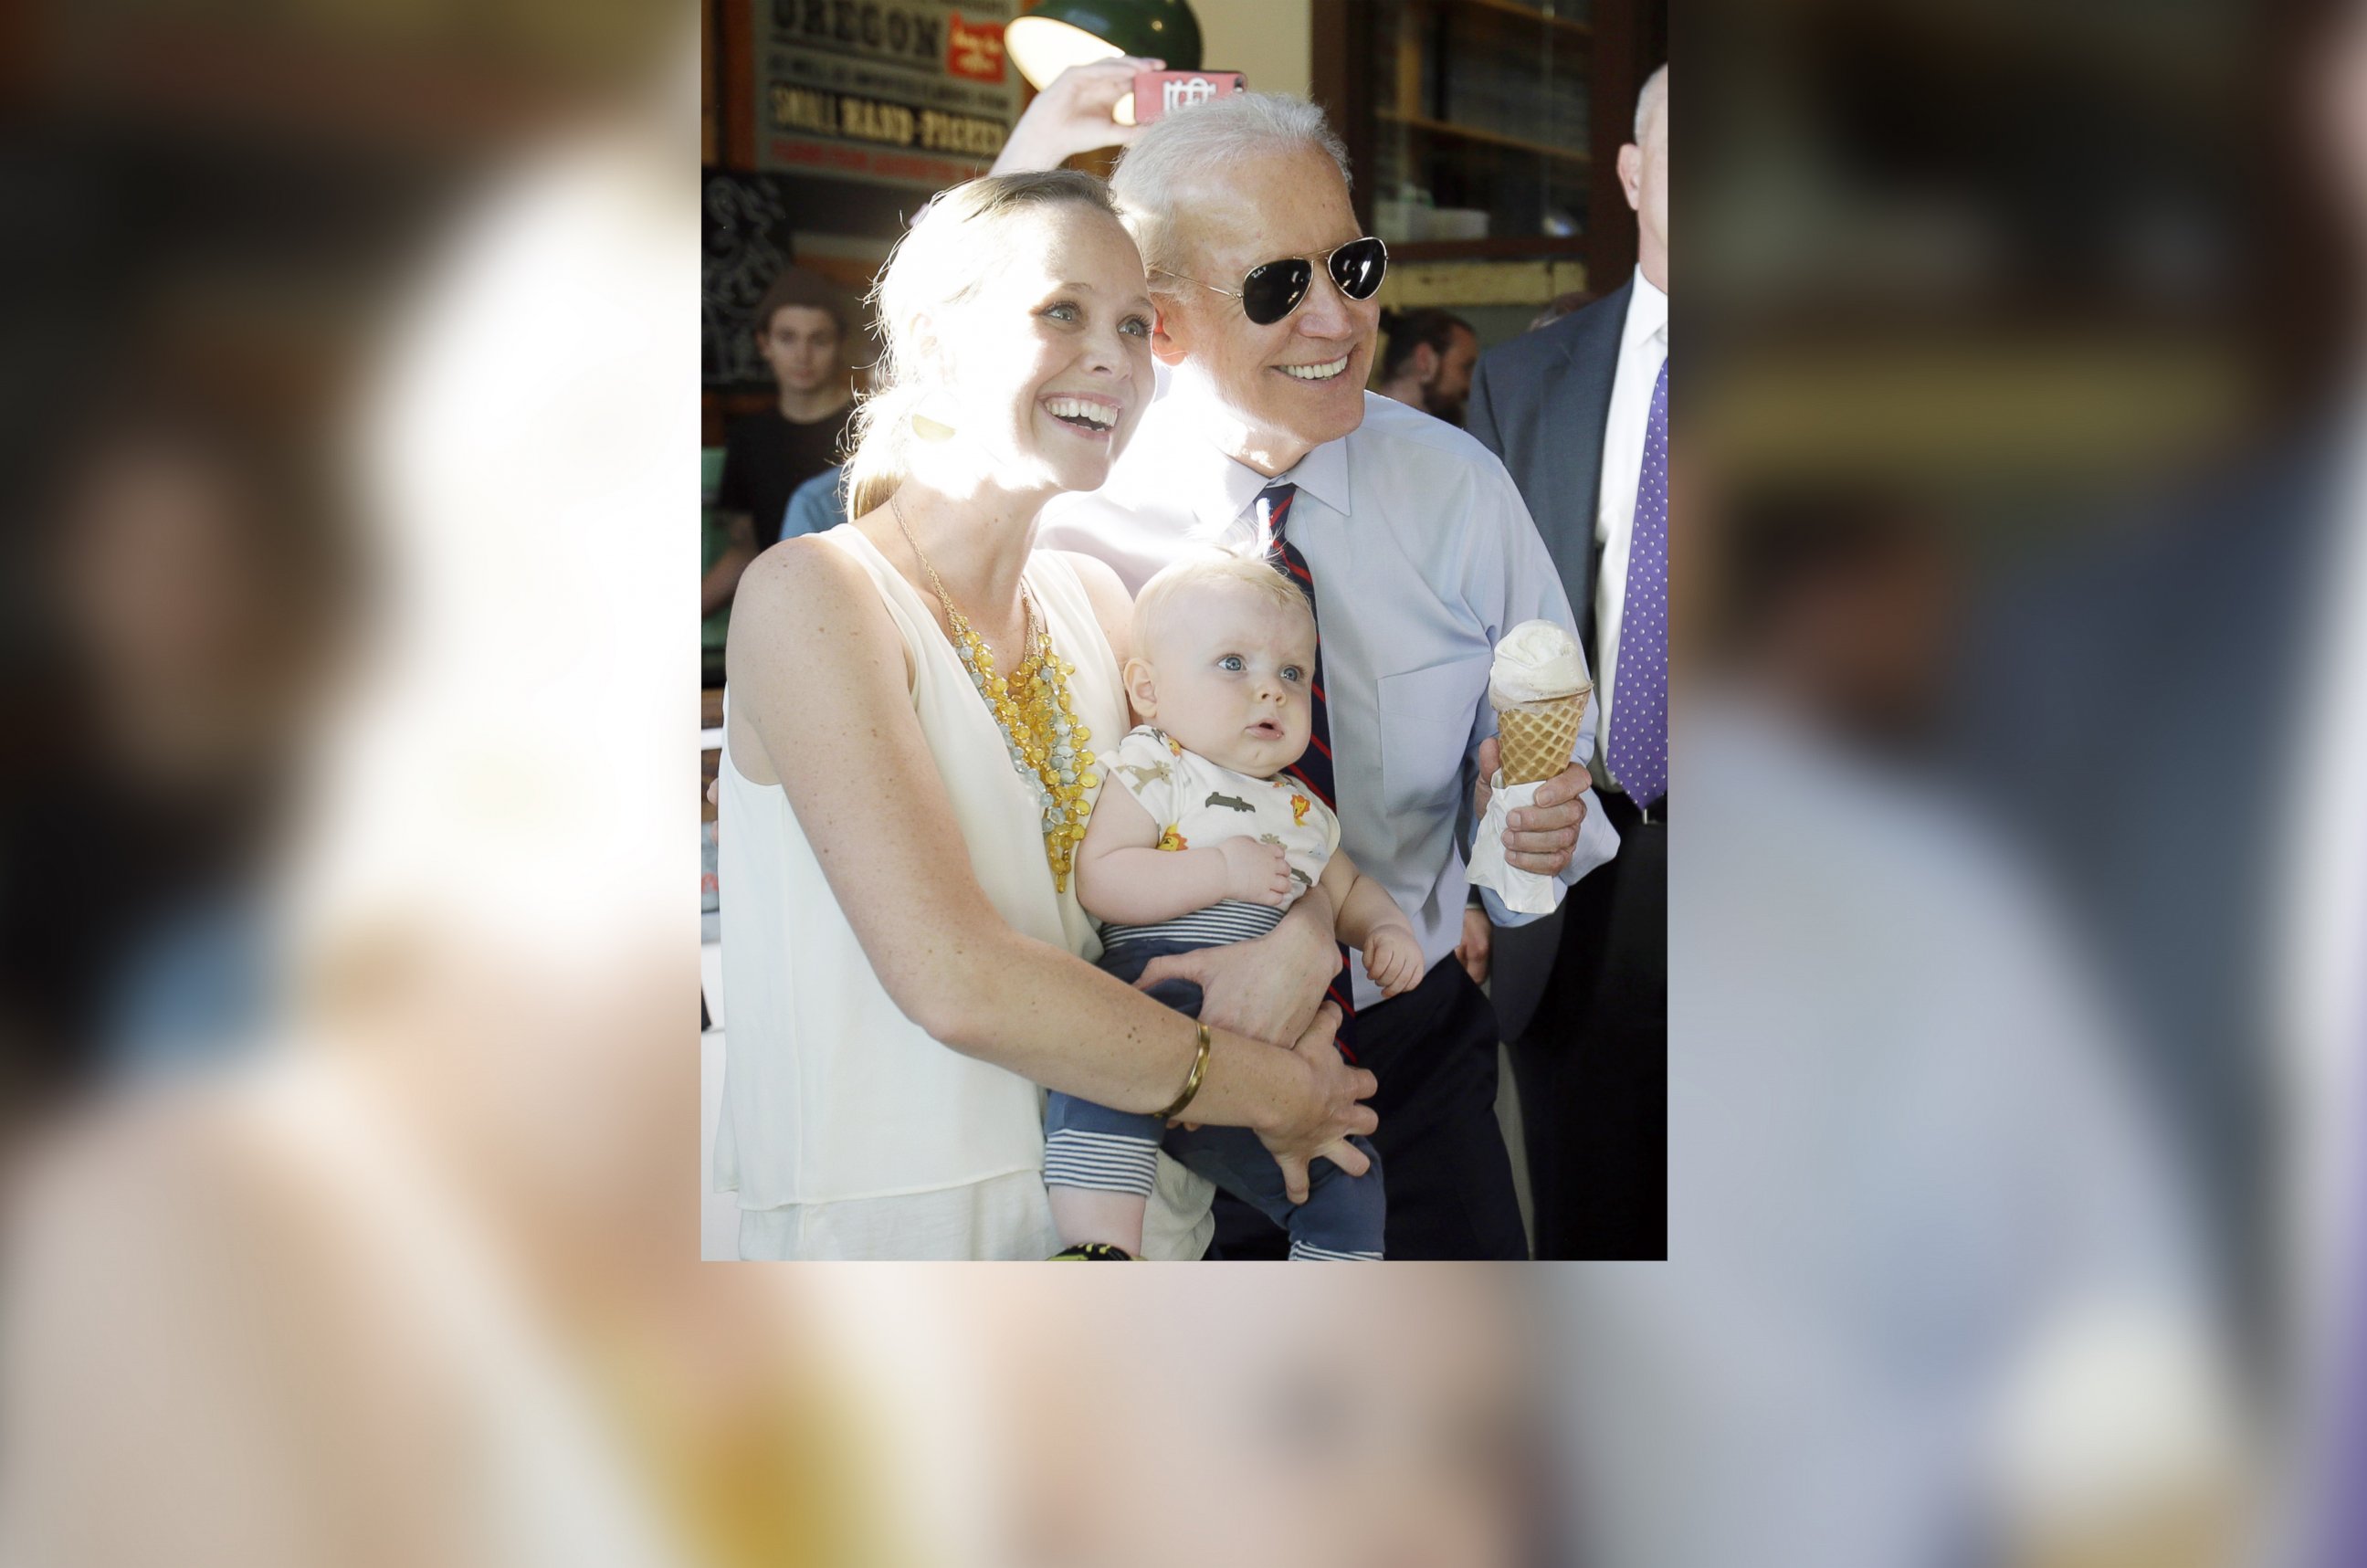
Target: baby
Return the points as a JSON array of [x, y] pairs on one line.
[[1199, 838]]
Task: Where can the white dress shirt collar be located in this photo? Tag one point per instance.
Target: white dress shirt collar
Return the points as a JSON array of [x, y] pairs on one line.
[[1219, 489], [1647, 312], [1323, 473]]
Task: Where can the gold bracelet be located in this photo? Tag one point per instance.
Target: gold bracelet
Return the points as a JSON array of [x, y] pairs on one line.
[[1191, 1085]]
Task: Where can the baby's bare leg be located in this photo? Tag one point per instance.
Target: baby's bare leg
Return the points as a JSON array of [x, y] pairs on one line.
[[1086, 1214]]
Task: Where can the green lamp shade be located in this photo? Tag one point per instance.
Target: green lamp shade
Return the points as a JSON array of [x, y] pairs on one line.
[[1060, 33]]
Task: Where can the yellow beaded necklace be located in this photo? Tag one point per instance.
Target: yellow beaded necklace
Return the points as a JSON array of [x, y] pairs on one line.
[[1033, 709]]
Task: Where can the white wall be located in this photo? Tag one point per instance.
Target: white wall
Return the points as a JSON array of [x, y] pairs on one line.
[[1268, 40]]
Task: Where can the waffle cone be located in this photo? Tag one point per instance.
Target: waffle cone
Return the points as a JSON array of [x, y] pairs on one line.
[[1538, 738]]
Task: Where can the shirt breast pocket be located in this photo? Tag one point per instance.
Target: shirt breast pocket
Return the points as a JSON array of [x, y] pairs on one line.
[[1426, 720]]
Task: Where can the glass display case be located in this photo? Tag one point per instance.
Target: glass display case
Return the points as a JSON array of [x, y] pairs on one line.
[[1489, 131], [1480, 123]]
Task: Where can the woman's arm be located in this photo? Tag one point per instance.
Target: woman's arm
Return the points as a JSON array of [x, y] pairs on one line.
[[1268, 987], [1071, 115], [819, 674]]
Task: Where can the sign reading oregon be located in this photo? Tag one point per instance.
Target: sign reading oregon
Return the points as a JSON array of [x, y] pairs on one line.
[[916, 92]]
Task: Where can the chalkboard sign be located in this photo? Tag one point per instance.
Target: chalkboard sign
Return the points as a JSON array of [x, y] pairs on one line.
[[747, 231]]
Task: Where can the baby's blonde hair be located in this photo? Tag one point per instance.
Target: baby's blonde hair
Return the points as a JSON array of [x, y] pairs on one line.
[[1250, 571]]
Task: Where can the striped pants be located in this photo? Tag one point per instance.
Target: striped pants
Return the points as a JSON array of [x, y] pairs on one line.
[[1091, 1146]]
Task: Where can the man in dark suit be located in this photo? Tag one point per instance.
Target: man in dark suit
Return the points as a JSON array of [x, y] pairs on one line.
[[2193, 928], [1579, 411]]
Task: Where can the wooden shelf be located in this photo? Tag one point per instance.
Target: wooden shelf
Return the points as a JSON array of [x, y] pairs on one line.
[[1520, 13], [1514, 247], [1506, 8], [1485, 138]]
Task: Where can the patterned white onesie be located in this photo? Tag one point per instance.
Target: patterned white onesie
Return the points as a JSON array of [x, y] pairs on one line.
[[1198, 804]]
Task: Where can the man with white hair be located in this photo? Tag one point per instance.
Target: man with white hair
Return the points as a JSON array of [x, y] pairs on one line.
[[1418, 555], [1579, 411]]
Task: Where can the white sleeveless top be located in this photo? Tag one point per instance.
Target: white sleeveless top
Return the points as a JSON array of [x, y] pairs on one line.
[[856, 1133]]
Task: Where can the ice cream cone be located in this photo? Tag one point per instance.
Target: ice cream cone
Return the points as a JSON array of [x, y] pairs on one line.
[[1538, 687], [1537, 738]]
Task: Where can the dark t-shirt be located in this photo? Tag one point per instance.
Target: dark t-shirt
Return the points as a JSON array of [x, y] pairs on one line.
[[766, 458]]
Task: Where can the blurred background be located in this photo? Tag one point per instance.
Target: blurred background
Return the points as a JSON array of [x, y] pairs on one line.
[[2014, 1176]]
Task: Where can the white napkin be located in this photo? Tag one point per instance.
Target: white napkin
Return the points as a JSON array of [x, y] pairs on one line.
[[1523, 893]]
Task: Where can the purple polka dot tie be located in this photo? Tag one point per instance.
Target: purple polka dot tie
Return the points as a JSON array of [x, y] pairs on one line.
[[1639, 750], [2341, 1526]]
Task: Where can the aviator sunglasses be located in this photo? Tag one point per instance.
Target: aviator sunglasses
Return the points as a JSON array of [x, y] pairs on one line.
[[1272, 291]]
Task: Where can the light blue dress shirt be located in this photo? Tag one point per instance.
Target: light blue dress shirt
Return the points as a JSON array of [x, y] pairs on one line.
[[1423, 556], [814, 507]]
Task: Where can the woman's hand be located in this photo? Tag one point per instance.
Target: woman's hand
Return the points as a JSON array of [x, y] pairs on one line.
[[1072, 116], [1256, 872], [1267, 988], [1321, 1125]]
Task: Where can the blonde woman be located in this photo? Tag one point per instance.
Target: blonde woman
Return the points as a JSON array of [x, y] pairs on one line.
[[916, 702]]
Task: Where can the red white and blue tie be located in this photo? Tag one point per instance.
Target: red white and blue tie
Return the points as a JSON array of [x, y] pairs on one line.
[[1314, 768]]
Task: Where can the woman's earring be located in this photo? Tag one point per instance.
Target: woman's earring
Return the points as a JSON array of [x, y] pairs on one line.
[[926, 420], [933, 418]]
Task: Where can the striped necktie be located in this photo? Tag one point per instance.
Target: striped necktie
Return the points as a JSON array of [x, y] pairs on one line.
[[1314, 767]]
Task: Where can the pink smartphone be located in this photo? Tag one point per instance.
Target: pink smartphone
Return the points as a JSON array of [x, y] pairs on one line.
[[1157, 93]]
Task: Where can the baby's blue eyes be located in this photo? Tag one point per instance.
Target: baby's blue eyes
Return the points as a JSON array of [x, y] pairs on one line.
[[1233, 662]]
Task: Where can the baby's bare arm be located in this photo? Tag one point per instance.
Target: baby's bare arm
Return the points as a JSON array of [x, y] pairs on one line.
[[1371, 922], [1125, 877], [1364, 905]]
